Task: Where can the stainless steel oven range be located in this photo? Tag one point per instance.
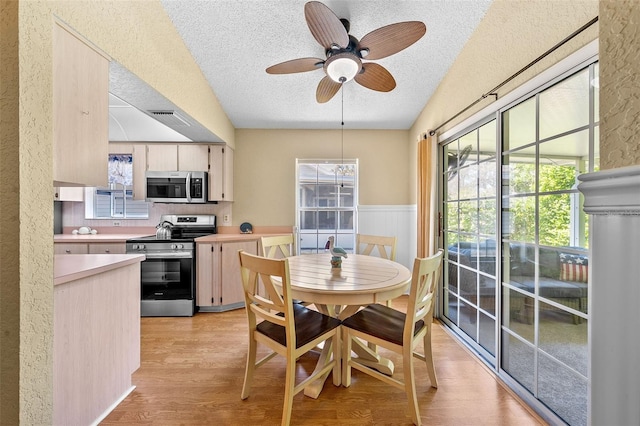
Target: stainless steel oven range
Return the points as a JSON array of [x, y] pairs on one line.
[[168, 274]]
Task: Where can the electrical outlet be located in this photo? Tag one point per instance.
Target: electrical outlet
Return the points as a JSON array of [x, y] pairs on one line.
[[116, 223], [225, 218]]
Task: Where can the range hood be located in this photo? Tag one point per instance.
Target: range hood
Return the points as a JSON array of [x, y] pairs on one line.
[[138, 113]]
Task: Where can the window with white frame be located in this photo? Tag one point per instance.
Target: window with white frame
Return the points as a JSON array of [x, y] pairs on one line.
[[327, 194]]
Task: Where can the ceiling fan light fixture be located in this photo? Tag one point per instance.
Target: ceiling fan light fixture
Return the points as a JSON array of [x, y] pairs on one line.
[[342, 67]]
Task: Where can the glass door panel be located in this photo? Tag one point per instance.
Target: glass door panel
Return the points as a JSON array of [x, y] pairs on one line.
[[545, 257], [470, 237]]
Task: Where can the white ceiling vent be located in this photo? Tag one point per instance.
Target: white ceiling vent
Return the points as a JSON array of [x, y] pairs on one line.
[[170, 118]]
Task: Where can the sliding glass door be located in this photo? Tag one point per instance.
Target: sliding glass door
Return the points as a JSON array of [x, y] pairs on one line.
[[516, 271], [470, 209]]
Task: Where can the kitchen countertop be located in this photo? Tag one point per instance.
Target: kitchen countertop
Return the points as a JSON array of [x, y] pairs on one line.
[[97, 238], [71, 267]]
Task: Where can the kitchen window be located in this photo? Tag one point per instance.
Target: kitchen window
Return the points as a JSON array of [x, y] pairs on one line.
[[326, 204], [116, 201]]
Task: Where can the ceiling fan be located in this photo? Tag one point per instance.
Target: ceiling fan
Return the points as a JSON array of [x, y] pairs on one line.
[[455, 161], [345, 53]]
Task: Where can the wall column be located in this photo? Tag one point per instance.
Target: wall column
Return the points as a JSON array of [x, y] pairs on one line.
[[9, 217], [612, 199]]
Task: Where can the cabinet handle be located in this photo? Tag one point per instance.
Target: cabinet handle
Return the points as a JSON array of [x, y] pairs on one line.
[[106, 251], [68, 251]]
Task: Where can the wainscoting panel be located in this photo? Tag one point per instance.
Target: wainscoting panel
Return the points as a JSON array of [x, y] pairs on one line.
[[399, 221]]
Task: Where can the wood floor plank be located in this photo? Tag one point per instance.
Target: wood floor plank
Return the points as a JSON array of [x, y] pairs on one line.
[[192, 371]]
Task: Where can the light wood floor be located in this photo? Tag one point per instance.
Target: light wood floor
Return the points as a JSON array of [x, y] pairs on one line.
[[192, 371]]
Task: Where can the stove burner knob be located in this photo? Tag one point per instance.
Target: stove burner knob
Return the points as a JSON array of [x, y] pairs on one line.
[[134, 247], [180, 246], [174, 246], [141, 246]]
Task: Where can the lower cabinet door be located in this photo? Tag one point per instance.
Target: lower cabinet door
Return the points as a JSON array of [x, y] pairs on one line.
[[231, 280]]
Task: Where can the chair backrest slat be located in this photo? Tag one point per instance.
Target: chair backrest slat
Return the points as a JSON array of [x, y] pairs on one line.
[[277, 246], [385, 246], [426, 273], [278, 301]]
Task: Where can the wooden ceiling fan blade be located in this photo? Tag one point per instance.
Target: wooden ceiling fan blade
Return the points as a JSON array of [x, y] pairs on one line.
[[327, 88], [390, 39], [375, 77], [325, 26], [296, 65]]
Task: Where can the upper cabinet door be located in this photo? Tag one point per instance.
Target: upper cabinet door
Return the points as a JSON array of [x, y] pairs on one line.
[[80, 111], [162, 157], [193, 158], [228, 174], [220, 173]]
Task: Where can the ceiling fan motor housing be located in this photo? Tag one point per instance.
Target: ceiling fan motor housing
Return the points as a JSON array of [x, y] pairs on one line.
[[342, 67]]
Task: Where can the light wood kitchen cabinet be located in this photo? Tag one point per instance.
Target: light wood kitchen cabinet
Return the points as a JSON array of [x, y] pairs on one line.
[[193, 158], [162, 157], [218, 283], [70, 248], [107, 248], [139, 153], [178, 157], [80, 111], [89, 248], [220, 173], [216, 159], [68, 193]]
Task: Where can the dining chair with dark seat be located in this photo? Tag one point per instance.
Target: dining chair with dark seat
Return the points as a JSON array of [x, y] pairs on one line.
[[288, 329], [398, 331], [385, 247], [277, 246], [377, 245]]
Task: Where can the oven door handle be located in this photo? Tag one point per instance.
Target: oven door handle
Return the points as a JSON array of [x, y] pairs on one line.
[[169, 255]]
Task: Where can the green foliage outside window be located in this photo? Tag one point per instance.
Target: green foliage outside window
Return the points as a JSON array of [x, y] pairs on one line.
[[554, 209]]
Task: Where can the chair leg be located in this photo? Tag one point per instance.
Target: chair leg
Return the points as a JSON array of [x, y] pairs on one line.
[[409, 384], [290, 383], [428, 357], [251, 367], [346, 358], [337, 357]]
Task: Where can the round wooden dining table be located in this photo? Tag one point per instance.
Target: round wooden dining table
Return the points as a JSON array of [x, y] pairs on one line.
[[340, 292]]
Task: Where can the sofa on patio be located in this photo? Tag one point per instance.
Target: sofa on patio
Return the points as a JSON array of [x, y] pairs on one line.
[[563, 275]]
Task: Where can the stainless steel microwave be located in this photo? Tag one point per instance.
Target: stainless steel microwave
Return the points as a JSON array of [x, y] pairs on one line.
[[177, 187]]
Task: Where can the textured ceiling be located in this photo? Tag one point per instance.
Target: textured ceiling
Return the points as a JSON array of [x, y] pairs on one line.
[[234, 41]]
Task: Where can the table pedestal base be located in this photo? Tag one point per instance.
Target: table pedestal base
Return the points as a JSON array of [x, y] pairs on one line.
[[365, 355]]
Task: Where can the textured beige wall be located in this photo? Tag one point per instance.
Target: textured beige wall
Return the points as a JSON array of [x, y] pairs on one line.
[[619, 83], [264, 174], [9, 210], [140, 36], [511, 35], [137, 34]]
